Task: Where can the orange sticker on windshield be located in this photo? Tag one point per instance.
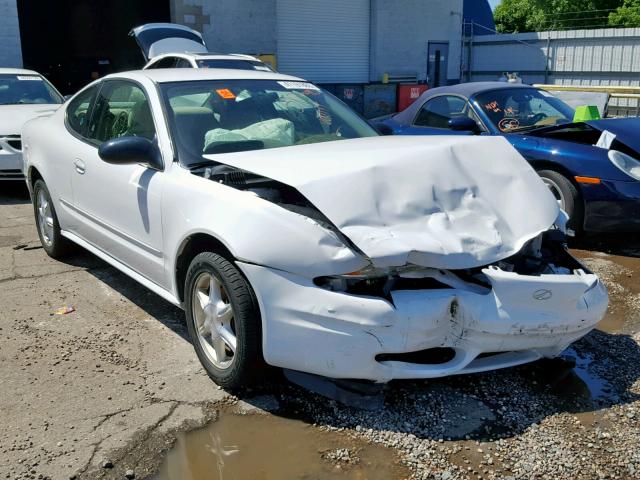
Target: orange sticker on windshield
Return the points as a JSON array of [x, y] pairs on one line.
[[226, 93], [493, 106]]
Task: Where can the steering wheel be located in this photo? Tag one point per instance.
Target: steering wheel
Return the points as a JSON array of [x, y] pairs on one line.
[[120, 125], [24, 98], [538, 117]]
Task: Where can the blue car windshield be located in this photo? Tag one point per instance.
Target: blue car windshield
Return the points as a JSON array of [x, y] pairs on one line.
[[518, 109]]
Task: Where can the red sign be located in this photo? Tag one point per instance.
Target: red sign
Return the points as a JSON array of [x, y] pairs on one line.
[[349, 93]]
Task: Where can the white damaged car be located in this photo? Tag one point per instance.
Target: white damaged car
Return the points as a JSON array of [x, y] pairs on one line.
[[24, 94], [293, 235]]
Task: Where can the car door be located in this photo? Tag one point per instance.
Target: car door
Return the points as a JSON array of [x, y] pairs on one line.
[[120, 204], [433, 117], [66, 153]]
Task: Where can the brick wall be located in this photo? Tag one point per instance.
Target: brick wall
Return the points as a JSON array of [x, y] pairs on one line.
[[10, 50]]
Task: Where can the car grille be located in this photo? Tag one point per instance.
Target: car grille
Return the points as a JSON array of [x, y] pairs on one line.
[[13, 141]]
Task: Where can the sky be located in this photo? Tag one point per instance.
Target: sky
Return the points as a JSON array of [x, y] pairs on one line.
[[494, 3]]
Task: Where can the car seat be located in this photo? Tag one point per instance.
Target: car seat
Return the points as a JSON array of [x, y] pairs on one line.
[[192, 124], [141, 121]]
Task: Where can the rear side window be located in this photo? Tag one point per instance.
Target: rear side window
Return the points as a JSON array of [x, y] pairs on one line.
[[79, 109], [437, 112], [167, 62], [183, 63]]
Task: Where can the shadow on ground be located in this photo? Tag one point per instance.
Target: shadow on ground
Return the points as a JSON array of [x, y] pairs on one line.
[[499, 404], [14, 193], [623, 244], [154, 305]]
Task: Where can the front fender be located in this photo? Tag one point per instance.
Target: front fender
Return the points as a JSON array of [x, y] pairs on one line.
[[254, 230]]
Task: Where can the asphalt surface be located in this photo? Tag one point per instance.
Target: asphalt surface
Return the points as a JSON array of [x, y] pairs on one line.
[[105, 389]]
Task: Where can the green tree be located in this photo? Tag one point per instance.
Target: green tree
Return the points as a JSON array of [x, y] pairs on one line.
[[628, 15], [540, 15]]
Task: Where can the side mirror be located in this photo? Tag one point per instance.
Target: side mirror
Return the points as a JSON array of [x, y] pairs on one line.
[[128, 150], [463, 124]]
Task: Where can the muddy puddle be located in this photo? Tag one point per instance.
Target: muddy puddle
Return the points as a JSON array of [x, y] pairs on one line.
[[261, 447]]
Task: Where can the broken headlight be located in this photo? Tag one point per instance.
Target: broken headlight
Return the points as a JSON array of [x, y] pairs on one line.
[[369, 281], [626, 163]]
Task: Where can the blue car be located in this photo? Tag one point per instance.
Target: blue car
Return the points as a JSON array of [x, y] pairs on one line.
[[592, 167]]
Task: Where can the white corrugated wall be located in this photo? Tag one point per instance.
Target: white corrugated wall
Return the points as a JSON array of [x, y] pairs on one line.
[[324, 41]]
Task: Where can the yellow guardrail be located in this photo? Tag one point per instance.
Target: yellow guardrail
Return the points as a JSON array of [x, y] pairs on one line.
[[620, 92], [624, 101]]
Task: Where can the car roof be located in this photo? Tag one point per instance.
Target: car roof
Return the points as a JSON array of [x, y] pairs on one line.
[[464, 89], [165, 75], [17, 71]]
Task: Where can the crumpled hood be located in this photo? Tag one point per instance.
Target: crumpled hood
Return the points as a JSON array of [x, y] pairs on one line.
[[625, 129], [441, 201], [13, 117]]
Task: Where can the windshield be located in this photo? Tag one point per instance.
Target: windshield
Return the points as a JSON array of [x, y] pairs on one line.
[[234, 64], [518, 109], [26, 89], [222, 116]]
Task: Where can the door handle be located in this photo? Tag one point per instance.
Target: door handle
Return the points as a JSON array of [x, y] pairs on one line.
[[80, 166]]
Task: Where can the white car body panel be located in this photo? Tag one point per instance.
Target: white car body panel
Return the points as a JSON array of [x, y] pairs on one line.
[[12, 120], [431, 203], [464, 216], [171, 40]]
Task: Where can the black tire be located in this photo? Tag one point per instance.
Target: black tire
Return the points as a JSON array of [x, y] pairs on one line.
[[247, 365], [57, 246], [570, 197]]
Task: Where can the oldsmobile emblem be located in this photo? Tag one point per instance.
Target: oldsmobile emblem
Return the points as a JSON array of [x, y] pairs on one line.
[[542, 294]]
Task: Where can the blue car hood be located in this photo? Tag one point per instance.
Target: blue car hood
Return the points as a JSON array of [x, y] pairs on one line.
[[626, 130]]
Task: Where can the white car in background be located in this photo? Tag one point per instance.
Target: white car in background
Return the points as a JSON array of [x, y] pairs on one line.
[[292, 234], [24, 94], [169, 45]]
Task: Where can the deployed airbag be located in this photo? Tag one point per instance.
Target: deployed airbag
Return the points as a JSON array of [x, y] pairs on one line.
[[443, 202], [273, 133]]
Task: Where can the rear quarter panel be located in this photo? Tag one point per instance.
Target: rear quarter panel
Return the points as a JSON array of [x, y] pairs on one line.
[[46, 149]]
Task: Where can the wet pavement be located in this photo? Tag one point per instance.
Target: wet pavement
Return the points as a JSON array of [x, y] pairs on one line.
[[116, 383], [258, 446]]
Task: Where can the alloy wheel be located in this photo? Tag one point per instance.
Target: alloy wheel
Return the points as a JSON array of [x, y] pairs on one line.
[[556, 191], [214, 320], [45, 217]]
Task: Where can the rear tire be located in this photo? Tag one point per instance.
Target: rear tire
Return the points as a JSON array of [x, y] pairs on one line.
[[47, 223], [223, 320], [567, 196]]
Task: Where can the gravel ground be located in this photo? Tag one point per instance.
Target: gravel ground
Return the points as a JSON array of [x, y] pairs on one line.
[[112, 383]]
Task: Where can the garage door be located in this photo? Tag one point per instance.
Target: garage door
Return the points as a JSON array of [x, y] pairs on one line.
[[325, 41]]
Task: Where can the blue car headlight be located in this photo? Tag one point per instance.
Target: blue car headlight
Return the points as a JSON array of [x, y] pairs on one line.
[[626, 163]]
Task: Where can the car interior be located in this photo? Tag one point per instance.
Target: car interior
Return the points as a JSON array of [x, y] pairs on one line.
[[124, 111]]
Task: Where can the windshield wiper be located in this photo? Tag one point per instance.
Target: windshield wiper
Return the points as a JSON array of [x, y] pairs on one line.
[[205, 163]]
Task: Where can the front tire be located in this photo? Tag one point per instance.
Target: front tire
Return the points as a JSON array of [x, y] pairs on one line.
[[223, 320], [47, 223], [567, 196]]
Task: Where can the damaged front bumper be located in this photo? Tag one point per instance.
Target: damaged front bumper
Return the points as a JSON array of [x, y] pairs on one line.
[[423, 333]]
